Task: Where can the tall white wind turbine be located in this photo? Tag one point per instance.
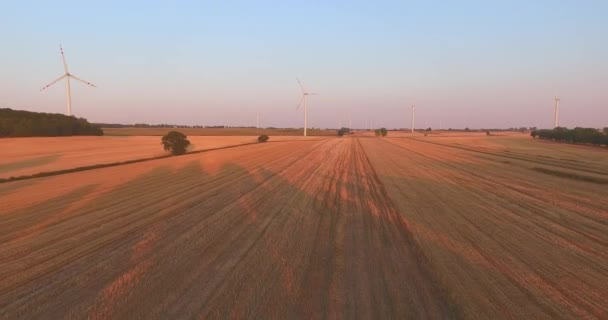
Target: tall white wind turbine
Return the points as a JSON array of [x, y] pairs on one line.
[[67, 75], [304, 101]]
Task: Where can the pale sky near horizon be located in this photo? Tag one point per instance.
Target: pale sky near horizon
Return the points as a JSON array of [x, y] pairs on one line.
[[463, 63]]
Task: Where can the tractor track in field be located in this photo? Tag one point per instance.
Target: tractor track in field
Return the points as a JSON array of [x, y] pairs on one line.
[[484, 178], [547, 227], [423, 264], [494, 186]]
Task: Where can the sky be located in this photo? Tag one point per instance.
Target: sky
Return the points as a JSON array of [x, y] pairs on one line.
[[476, 64]]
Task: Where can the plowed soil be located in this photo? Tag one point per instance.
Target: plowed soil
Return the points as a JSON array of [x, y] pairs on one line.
[[358, 227]]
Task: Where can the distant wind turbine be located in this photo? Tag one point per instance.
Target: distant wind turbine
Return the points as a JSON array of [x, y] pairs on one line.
[[67, 75], [304, 100], [413, 117], [556, 112]]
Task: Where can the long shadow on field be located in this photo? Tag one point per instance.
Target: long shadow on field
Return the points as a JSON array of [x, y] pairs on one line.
[[320, 256], [84, 249], [182, 243]]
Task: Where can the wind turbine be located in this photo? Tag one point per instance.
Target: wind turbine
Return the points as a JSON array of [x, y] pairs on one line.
[[556, 111], [67, 75], [304, 99], [413, 117]]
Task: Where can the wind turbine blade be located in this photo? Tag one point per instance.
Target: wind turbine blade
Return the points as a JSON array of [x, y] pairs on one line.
[[85, 82], [301, 86], [313, 94], [55, 81], [65, 64], [300, 104]]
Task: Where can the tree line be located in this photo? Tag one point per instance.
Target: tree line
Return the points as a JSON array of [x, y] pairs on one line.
[[576, 135], [167, 125], [18, 123]]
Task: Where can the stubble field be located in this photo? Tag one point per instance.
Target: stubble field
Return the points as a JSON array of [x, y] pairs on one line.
[[28, 156], [358, 227]]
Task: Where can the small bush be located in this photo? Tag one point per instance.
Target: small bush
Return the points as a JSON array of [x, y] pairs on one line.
[[383, 132], [263, 138], [175, 142]]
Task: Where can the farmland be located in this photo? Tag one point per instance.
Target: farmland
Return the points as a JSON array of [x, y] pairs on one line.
[[27, 156], [359, 227]]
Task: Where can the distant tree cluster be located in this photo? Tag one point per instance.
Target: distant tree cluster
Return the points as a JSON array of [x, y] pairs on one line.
[[145, 125], [165, 125], [576, 135], [17, 123], [520, 129], [381, 132]]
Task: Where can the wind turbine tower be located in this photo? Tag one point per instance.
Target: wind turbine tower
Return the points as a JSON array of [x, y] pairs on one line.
[[556, 112], [67, 75], [413, 117], [304, 101]]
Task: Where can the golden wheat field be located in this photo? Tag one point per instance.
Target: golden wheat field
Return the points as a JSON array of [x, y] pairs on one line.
[[404, 227]]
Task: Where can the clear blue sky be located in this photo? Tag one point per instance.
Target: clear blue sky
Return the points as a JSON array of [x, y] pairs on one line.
[[464, 63]]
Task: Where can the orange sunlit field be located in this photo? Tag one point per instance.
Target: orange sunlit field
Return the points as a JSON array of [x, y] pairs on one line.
[[407, 226], [27, 156]]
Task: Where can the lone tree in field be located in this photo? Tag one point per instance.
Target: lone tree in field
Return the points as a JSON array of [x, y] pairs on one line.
[[175, 142], [383, 132], [263, 138], [343, 131]]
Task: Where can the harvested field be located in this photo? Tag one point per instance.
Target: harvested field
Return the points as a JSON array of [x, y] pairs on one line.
[[358, 227], [27, 156]]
